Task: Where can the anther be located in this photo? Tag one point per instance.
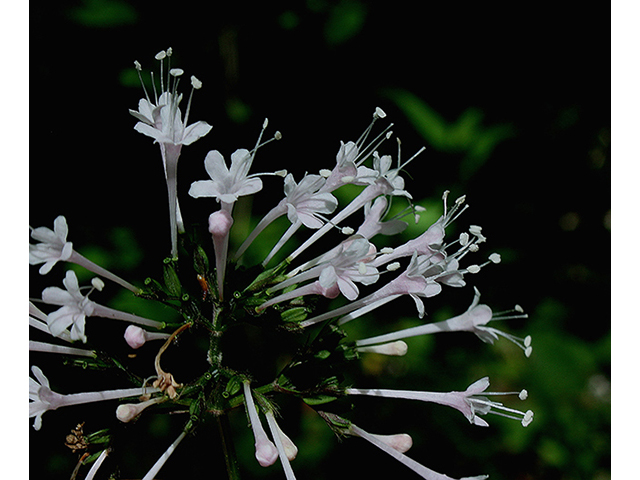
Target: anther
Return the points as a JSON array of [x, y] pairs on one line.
[[523, 394], [475, 230], [97, 283], [160, 55], [495, 257], [137, 65], [348, 231], [379, 113], [392, 267], [277, 135], [176, 72], [195, 83]]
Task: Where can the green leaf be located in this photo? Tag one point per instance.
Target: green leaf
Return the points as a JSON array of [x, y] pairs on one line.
[[318, 399]]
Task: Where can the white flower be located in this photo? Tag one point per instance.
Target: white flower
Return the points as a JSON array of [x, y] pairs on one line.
[[42, 398], [373, 225], [349, 264], [75, 308], [304, 203], [227, 184], [53, 247], [475, 320], [469, 402], [162, 119], [163, 122]]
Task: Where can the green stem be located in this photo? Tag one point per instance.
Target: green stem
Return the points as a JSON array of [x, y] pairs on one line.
[[215, 355], [228, 449]]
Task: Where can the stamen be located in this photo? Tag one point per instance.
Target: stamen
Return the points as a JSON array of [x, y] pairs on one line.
[[139, 72], [379, 113], [195, 83], [160, 56], [97, 283]]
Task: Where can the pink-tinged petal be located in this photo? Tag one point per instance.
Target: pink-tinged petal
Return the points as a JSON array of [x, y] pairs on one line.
[[215, 166], [42, 380], [476, 420], [307, 220], [46, 268], [311, 183], [195, 131], [70, 282], [148, 130], [60, 320], [240, 163], [348, 288], [480, 315], [328, 277], [141, 118], [60, 228], [419, 305], [478, 386], [204, 188], [44, 235], [289, 184], [57, 296], [248, 187], [77, 329]]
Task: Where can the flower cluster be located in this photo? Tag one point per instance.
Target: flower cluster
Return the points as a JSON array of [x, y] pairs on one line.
[[281, 294]]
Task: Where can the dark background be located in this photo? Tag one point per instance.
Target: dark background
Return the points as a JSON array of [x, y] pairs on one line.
[[513, 107]]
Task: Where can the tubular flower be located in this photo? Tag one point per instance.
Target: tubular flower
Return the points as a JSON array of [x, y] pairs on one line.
[[75, 307], [473, 320], [43, 399], [469, 402], [161, 120], [53, 246]]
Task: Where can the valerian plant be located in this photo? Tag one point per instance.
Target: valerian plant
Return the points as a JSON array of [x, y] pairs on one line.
[[218, 301]]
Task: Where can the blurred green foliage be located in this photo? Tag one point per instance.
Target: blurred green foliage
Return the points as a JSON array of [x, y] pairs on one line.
[[104, 13], [466, 134]]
